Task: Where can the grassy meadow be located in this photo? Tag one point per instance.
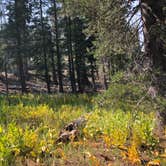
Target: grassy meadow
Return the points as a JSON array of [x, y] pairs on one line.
[[118, 131]]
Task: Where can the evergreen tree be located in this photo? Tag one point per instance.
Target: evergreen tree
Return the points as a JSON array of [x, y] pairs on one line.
[[17, 32], [59, 58]]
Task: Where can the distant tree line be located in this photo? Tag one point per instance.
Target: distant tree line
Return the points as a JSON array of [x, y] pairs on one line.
[[68, 43]]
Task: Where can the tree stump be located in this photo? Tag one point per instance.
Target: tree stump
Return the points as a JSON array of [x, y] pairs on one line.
[[72, 130]]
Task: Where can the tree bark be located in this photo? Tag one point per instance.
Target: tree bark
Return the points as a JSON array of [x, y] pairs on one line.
[[70, 50], [20, 29], [80, 52], [153, 18], [70, 55], [6, 81], [47, 78], [104, 74], [92, 64], [59, 58], [54, 74]]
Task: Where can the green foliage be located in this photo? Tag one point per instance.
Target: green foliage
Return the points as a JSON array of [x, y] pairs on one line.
[[143, 129], [114, 38], [130, 92], [30, 126], [53, 101], [114, 127], [31, 131], [108, 123]]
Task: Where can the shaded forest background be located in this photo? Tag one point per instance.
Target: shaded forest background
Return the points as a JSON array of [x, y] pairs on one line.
[[76, 46]]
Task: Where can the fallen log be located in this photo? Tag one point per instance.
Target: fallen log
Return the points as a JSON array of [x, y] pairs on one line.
[[72, 130]]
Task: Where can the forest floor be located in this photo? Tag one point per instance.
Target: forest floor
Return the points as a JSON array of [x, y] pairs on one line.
[[33, 86], [36, 85]]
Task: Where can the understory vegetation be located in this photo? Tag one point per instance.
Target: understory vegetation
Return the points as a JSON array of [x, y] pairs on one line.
[[120, 129]]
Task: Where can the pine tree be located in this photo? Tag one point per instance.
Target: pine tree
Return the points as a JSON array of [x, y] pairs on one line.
[[59, 58], [68, 29], [17, 27], [43, 47]]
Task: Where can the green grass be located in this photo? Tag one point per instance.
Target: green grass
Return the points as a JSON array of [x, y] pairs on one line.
[[30, 125]]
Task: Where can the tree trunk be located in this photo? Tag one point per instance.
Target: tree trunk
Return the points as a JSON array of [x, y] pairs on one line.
[[20, 28], [54, 74], [92, 64], [21, 73], [26, 69], [59, 58], [153, 18], [80, 52], [70, 55], [47, 78], [104, 75], [109, 69], [70, 50], [6, 82], [77, 61]]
